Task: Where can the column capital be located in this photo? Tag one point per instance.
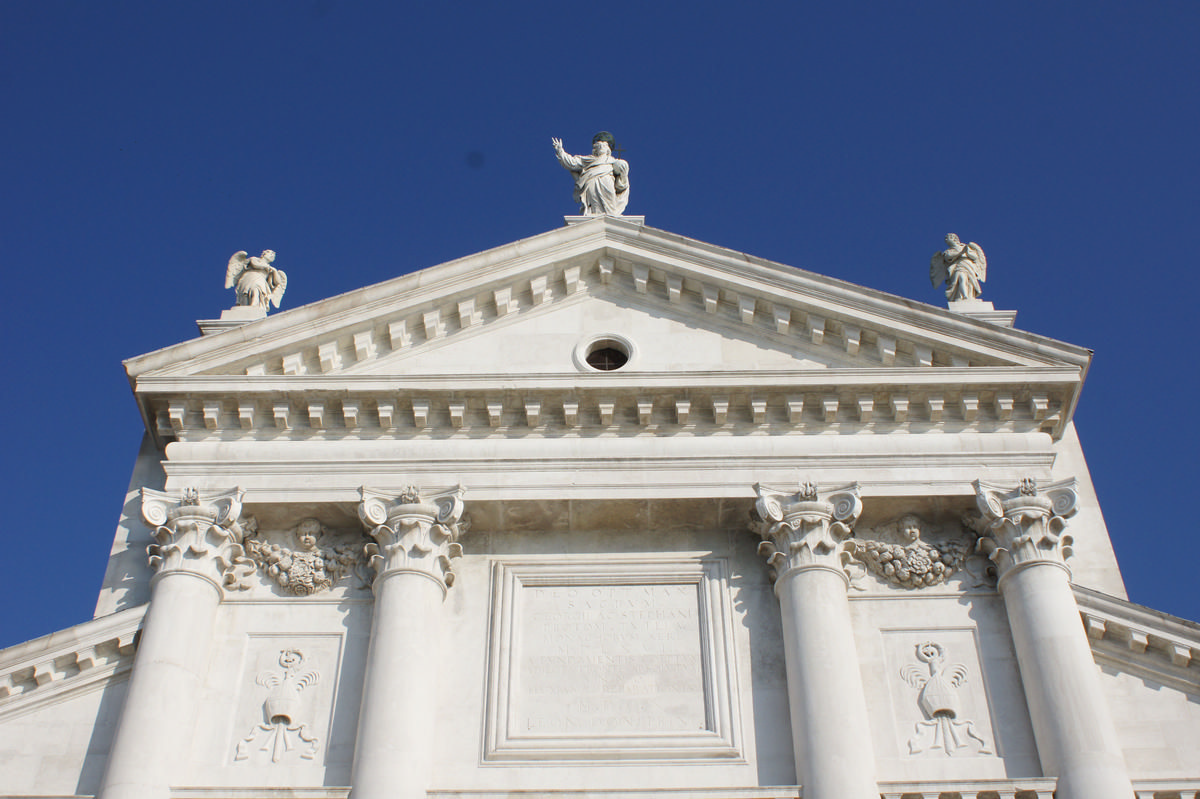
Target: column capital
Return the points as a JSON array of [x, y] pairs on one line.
[[194, 533], [414, 533], [806, 529], [1023, 524]]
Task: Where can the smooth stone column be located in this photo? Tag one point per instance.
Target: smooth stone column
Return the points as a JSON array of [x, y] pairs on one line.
[[804, 536], [197, 542], [415, 540], [1076, 738]]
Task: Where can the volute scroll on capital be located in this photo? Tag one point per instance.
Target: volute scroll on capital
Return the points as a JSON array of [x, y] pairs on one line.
[[414, 532], [808, 528], [1023, 525], [196, 533]]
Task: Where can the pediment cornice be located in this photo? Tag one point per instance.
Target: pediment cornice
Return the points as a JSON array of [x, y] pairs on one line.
[[69, 661], [1136, 638]]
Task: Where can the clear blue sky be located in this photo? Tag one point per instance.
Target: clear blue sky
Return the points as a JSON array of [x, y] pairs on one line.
[[144, 142]]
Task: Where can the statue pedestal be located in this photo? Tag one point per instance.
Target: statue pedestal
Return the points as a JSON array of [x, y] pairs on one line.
[[577, 220], [233, 317], [984, 311]]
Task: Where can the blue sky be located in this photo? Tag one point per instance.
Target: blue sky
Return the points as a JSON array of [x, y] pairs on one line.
[[145, 142]]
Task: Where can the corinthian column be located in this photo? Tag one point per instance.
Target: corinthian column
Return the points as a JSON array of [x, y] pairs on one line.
[[197, 541], [804, 538], [1024, 537], [415, 538]]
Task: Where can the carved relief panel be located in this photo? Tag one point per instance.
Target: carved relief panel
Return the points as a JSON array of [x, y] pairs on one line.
[[939, 695], [287, 692]]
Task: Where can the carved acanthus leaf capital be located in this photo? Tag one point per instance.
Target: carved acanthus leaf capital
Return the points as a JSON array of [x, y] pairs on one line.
[[414, 532], [1023, 524], [808, 528], [196, 533]]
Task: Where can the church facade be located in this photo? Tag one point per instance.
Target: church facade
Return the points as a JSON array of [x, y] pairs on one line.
[[609, 512]]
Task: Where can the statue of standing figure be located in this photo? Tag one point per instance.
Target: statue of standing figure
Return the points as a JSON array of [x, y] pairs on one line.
[[962, 267], [601, 180], [258, 283]]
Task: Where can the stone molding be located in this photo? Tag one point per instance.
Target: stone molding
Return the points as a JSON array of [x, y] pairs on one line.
[[1023, 525], [479, 406], [79, 658], [197, 534], [1131, 635], [807, 529], [413, 533]]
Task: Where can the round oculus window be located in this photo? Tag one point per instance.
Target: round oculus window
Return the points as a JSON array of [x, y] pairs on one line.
[[605, 353]]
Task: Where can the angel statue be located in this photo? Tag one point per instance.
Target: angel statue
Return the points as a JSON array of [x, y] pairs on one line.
[[962, 267], [258, 283], [601, 180]]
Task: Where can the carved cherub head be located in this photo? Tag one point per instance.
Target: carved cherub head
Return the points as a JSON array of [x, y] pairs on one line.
[[952, 240], [268, 255], [910, 528], [308, 532]]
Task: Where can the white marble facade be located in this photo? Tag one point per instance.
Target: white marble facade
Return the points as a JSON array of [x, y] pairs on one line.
[[806, 539]]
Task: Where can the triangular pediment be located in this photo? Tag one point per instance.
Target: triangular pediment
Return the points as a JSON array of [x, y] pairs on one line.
[[647, 271], [686, 312]]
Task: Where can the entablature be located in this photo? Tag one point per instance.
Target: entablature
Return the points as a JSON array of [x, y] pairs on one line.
[[996, 399]]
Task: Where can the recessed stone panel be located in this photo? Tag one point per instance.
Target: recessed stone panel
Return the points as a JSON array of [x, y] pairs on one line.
[[611, 659]]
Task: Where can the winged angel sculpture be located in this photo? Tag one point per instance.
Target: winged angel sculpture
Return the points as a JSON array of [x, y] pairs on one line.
[[258, 283], [962, 267]]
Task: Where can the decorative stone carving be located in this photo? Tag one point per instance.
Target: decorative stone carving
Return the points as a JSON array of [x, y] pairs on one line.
[[1024, 524], [807, 529], [913, 563], [282, 731], [258, 283], [200, 534], [601, 180], [414, 533], [310, 567], [939, 683], [961, 267]]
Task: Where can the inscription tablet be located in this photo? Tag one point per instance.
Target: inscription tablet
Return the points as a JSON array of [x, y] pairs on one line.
[[613, 659]]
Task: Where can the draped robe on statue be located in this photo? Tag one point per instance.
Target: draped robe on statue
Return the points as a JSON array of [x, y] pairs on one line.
[[601, 182]]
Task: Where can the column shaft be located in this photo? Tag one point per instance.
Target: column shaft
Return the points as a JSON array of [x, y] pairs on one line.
[[168, 671], [1075, 734], [830, 734], [395, 741]]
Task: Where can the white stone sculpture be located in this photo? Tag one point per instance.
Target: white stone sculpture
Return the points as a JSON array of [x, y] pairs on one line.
[[962, 267], [601, 179], [281, 732], [307, 569], [913, 563], [939, 684], [258, 283]]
